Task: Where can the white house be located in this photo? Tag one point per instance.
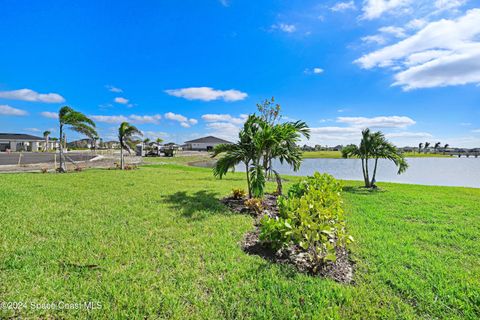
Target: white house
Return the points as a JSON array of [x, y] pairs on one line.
[[20, 142], [204, 144]]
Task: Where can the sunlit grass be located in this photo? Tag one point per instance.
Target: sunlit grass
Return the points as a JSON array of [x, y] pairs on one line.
[[156, 243]]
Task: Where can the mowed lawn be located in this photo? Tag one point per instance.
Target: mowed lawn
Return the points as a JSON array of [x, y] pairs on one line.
[[156, 243]]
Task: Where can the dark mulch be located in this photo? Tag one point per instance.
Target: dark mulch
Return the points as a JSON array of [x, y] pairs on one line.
[[341, 270]]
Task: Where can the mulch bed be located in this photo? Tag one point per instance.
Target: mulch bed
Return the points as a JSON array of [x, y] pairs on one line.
[[341, 270]]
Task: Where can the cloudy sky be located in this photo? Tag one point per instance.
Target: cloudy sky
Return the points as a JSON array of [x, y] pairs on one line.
[[184, 69]]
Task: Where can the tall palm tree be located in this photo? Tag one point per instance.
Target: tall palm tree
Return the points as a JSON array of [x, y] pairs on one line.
[[46, 135], [127, 133], [375, 146], [437, 145], [76, 121], [420, 147]]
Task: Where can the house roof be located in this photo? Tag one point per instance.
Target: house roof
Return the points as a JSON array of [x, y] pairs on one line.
[[19, 136], [209, 139]]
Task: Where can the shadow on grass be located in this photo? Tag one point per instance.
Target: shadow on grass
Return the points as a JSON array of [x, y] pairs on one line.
[[362, 190], [196, 206]]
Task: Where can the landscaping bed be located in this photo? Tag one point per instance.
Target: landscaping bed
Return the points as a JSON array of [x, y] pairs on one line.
[[341, 270]]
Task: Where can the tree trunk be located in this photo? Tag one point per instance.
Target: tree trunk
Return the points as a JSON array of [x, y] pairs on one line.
[[62, 167], [248, 179], [372, 184], [122, 165], [365, 179], [279, 183], [367, 176]]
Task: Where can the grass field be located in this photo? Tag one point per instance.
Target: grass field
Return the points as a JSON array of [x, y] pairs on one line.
[[338, 155], [155, 243]]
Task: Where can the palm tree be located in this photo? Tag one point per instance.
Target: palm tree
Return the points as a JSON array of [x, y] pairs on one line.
[[375, 146], [437, 145], [420, 147], [285, 149], [445, 147], [46, 134], [126, 135], [76, 121], [159, 141], [243, 151], [259, 143], [427, 144]]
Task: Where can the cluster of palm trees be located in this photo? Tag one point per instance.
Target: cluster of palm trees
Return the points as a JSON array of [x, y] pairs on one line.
[[76, 121], [374, 146], [436, 147], [262, 139]]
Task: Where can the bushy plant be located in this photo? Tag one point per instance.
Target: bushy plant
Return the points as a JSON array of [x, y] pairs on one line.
[[254, 204], [238, 193], [310, 216]]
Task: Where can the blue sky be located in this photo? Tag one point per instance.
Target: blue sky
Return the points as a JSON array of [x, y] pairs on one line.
[[184, 69]]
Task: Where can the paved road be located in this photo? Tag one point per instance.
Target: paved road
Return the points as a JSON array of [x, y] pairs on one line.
[[40, 157]]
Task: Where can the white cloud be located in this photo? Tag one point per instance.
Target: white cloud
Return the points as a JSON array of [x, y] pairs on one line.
[[224, 3], [443, 5], [224, 118], [32, 129], [121, 100], [373, 9], [184, 121], [10, 111], [476, 131], [154, 119], [109, 119], [416, 24], [443, 53], [315, 70], [395, 31], [30, 95], [113, 89], [378, 39], [50, 115], [288, 28], [406, 134], [377, 122], [343, 6], [207, 94], [137, 119]]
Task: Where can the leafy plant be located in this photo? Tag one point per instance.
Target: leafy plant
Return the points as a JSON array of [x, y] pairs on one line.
[[254, 204], [127, 133], [238, 193], [310, 216]]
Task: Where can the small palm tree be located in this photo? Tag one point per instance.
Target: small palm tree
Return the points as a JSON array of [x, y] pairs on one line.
[[243, 151], [374, 146], [159, 141], [126, 135], [76, 121], [445, 147], [437, 145], [420, 147], [427, 144], [46, 135]]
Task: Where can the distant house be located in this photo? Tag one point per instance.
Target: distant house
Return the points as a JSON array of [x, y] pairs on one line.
[[20, 142], [204, 144]]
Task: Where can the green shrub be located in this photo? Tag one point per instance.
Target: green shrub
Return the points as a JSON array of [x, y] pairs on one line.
[[310, 216]]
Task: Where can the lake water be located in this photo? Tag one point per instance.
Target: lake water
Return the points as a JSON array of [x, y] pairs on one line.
[[463, 172]]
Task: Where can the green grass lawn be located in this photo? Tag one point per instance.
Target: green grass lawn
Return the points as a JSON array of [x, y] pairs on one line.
[[338, 155], [156, 243]]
